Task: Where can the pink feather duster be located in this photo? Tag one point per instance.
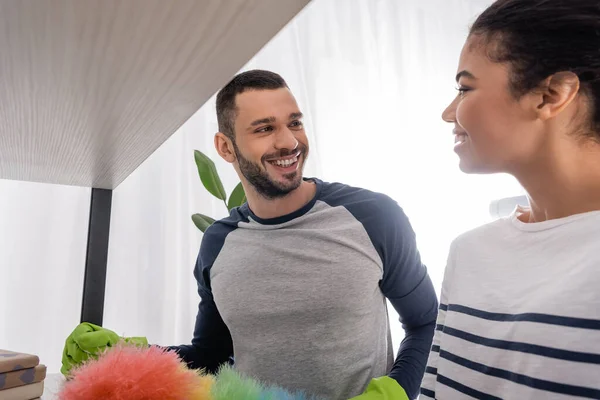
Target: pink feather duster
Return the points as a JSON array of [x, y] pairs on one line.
[[151, 373], [133, 373]]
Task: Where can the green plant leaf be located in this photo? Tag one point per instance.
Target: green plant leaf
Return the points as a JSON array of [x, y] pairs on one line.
[[209, 176], [237, 197], [202, 222]]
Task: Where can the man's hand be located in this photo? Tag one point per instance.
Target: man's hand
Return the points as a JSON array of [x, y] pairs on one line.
[[88, 340], [384, 388]]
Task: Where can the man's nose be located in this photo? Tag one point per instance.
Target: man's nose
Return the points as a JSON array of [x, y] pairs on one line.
[[285, 139]]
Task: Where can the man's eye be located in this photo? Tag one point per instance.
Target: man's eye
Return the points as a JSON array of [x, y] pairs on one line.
[[296, 124], [264, 129]]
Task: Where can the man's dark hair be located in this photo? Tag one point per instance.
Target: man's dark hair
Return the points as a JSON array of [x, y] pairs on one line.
[[539, 38], [250, 80]]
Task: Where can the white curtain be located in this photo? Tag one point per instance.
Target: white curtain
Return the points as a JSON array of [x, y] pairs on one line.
[[372, 77], [43, 238]]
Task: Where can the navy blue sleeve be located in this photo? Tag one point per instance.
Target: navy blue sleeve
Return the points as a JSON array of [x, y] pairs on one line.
[[409, 289], [405, 283], [212, 345]]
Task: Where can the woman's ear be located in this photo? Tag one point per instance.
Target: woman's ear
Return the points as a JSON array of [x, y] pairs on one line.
[[556, 93], [224, 147]]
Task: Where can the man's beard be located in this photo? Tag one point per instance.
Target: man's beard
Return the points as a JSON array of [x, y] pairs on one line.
[[261, 181]]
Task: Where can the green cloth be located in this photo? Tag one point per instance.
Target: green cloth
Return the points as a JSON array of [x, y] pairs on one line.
[[88, 340], [383, 388]]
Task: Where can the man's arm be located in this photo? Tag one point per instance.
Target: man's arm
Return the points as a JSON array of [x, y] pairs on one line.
[[212, 345], [407, 286]]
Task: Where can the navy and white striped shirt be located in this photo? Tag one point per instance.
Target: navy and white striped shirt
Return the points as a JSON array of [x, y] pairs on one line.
[[520, 313]]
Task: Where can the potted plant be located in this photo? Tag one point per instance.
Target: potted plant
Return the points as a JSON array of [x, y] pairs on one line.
[[211, 181]]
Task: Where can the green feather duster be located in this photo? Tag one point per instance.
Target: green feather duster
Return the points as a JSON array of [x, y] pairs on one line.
[[230, 384]]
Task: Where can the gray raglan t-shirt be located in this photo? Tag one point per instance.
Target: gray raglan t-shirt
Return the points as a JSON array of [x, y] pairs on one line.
[[299, 301]]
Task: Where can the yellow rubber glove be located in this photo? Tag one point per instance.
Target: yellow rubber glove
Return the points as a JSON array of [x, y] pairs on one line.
[[88, 340], [383, 388]]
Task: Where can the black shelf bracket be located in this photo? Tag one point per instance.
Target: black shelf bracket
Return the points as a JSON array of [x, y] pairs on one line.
[[94, 283]]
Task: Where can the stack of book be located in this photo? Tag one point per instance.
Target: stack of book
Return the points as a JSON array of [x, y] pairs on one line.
[[21, 376]]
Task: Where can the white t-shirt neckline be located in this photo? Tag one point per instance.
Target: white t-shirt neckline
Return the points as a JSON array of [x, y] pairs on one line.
[[545, 225]]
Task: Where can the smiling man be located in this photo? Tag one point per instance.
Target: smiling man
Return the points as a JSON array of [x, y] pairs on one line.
[[293, 284]]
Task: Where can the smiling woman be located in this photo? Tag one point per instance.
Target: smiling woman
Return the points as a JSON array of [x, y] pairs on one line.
[[520, 311]]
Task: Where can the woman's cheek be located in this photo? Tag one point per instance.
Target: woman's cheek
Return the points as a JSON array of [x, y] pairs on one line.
[[464, 114]]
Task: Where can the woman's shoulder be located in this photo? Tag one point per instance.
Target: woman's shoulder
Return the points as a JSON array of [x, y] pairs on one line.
[[484, 232]]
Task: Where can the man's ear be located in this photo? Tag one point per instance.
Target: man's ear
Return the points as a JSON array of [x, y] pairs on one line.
[[556, 93], [224, 147]]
